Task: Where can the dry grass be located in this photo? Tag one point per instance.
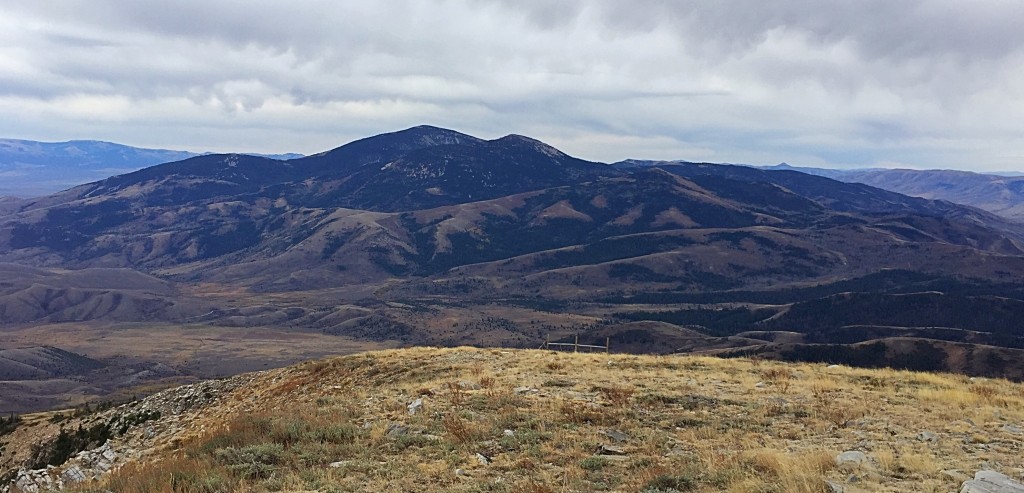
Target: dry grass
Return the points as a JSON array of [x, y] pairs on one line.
[[691, 424]]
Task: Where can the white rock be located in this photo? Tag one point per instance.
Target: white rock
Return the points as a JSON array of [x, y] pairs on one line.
[[851, 459], [415, 405]]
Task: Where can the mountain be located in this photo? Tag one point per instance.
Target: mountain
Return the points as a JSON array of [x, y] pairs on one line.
[[31, 169], [490, 208], [996, 193], [431, 236]]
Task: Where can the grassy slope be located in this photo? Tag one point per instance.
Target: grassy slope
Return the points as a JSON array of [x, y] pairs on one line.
[[694, 424]]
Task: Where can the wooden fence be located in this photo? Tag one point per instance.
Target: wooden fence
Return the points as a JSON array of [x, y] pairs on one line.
[[575, 345]]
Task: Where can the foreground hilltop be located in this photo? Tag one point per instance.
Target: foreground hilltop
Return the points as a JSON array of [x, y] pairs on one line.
[[524, 420]]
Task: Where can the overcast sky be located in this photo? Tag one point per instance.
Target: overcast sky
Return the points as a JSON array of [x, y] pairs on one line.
[[924, 84]]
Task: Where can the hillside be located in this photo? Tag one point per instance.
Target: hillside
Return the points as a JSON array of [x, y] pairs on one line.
[[32, 169], [31, 295], [513, 420], [998, 194], [42, 362], [1002, 195]]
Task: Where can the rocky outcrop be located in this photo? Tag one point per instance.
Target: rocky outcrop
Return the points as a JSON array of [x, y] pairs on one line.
[[136, 429], [85, 466]]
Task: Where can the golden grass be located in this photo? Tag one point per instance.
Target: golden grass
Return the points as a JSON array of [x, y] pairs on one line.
[[693, 424]]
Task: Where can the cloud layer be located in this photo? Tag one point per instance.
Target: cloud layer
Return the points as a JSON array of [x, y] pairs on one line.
[[928, 84]]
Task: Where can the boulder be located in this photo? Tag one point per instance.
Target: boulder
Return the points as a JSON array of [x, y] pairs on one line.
[[851, 460], [991, 482]]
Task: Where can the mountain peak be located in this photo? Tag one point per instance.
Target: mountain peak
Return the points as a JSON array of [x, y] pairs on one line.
[[426, 135], [386, 147], [524, 141]]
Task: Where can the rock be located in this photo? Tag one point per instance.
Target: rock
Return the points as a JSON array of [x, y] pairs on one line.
[[832, 367], [928, 436], [760, 385], [464, 385], [613, 458], [524, 390], [851, 460], [25, 483], [340, 463], [460, 472], [508, 433], [415, 406], [991, 482], [483, 459], [616, 435], [610, 450], [833, 487], [1016, 430], [395, 429]]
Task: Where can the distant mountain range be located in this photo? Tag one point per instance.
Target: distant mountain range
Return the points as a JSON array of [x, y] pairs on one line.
[[999, 193], [1003, 195], [431, 236], [30, 169]]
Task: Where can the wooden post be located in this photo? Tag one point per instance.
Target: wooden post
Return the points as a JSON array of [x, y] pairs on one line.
[[576, 345], [607, 345]]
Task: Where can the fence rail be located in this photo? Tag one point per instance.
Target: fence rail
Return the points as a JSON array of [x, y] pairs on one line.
[[576, 345]]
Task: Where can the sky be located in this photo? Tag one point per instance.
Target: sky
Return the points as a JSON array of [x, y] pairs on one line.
[[908, 83]]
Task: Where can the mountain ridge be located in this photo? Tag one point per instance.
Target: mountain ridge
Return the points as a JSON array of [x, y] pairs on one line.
[[1001, 194], [33, 168]]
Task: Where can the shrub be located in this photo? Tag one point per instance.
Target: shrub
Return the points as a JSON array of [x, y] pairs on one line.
[[670, 483]]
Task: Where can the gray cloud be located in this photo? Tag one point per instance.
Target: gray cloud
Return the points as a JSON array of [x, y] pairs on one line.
[[923, 83]]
